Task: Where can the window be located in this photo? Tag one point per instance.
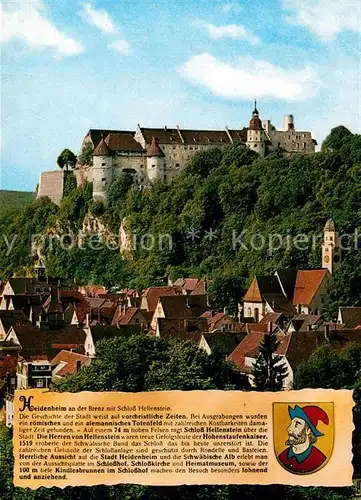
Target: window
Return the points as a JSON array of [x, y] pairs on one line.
[[103, 179], [103, 164], [153, 166], [40, 383], [177, 165]]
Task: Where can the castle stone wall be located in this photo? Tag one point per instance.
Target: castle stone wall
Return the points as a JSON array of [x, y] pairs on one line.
[[51, 185], [292, 141]]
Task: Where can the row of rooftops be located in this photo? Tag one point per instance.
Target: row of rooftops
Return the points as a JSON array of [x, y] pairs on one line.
[[180, 311], [107, 142], [298, 338]]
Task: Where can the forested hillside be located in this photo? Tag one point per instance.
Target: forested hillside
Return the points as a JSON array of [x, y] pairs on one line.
[[219, 214], [14, 201]]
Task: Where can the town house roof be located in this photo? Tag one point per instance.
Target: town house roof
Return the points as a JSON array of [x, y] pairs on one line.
[[351, 316], [69, 361], [153, 293], [249, 347], [307, 284]]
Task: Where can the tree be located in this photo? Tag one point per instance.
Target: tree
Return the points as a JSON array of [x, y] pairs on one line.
[[336, 369], [143, 363], [269, 371], [336, 139], [227, 292], [86, 155], [66, 159]]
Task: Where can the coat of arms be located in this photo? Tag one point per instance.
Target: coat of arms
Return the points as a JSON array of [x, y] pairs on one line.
[[303, 435]]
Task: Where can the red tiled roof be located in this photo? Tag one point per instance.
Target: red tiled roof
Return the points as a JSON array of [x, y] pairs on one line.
[[101, 149], [153, 149], [153, 293], [253, 293], [305, 321], [308, 282], [69, 359], [53, 304], [249, 347], [8, 365], [272, 317], [181, 329], [304, 343], [351, 316], [123, 141], [93, 290], [33, 341], [200, 288], [250, 342], [124, 318], [175, 307], [260, 327], [36, 342], [12, 317]]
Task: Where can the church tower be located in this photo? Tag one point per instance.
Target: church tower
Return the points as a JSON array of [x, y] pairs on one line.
[[255, 133], [331, 251]]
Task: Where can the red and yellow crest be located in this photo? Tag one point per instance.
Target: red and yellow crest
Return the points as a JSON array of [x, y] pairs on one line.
[[303, 435]]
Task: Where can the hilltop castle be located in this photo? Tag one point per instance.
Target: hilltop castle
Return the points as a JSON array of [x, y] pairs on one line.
[[151, 154]]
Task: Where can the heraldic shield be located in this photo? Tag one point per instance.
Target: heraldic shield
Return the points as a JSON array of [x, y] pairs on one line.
[[303, 435]]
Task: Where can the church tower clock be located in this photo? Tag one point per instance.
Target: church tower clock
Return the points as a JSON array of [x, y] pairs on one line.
[[331, 251]]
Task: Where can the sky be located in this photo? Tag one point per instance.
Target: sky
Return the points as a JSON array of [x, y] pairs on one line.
[[68, 66]]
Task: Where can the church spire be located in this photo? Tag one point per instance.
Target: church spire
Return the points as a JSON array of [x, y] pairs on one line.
[[255, 111]]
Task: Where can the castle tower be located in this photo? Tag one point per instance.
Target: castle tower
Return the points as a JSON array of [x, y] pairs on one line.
[[255, 133], [102, 171], [288, 123], [155, 162], [331, 251]]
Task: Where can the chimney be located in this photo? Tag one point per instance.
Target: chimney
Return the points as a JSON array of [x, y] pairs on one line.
[[208, 302], [309, 327], [269, 327], [78, 365], [326, 329], [273, 304]]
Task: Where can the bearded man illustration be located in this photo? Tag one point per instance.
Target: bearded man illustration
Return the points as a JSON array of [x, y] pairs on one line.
[[302, 456]]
